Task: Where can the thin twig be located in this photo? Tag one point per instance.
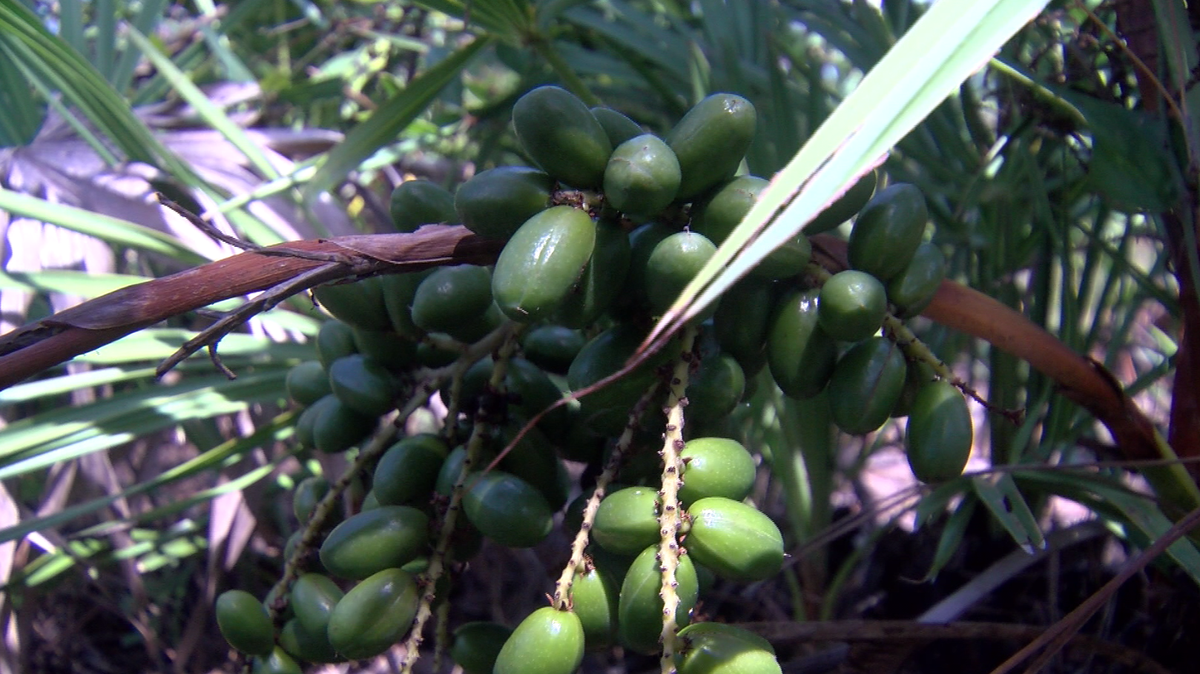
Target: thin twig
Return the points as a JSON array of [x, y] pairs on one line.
[[268, 299], [562, 588], [670, 517], [442, 551], [205, 226]]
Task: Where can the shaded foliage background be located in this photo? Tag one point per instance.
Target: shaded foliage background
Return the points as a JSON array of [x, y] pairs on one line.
[[1057, 182]]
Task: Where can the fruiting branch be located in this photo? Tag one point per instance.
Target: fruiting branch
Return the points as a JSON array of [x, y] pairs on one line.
[[562, 588], [449, 520], [38, 346], [669, 519]]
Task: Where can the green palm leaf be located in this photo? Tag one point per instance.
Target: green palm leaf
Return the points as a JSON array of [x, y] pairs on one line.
[[926, 65]]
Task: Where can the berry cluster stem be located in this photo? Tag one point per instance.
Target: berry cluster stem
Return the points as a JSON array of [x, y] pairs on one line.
[[916, 350], [669, 518], [562, 589], [438, 560]]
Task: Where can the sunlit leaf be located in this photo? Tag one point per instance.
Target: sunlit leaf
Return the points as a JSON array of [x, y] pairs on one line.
[[949, 42]]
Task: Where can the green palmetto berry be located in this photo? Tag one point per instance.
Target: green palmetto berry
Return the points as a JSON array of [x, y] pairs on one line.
[[595, 596], [562, 136], [887, 231], [716, 467], [548, 641], [800, 353], [542, 263], [383, 538], [374, 615], [866, 384], [846, 206], [939, 433], [306, 496], [363, 384], [852, 305], [408, 470], [733, 539], [711, 140], [717, 648], [335, 339], [617, 126], [244, 623], [641, 177], [359, 303], [673, 263], [496, 202], [454, 300], [914, 287], [507, 509], [307, 382], [627, 520], [421, 202], [477, 644], [312, 600], [640, 607]]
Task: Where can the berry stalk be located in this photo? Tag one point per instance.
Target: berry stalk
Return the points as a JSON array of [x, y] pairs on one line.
[[669, 519]]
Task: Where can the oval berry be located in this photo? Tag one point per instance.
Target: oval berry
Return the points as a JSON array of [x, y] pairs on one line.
[[374, 615], [420, 202], [602, 279], [307, 382], [335, 340], [358, 303], [672, 264], [278, 662], [866, 384], [640, 608], [312, 600], [363, 384], [542, 263], [800, 354], [336, 427], [408, 470], [641, 177], [306, 495], [476, 645], [617, 126], [718, 648], [245, 623], [888, 230], [547, 641], [562, 136], [595, 598], [507, 510], [734, 540], [308, 646], [939, 433], [627, 520], [496, 202], [383, 538], [846, 206], [715, 467], [710, 141], [852, 305], [453, 300], [914, 287], [553, 347]]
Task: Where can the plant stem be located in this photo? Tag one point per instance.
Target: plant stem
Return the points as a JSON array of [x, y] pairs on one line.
[[439, 559], [562, 589], [669, 519]]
